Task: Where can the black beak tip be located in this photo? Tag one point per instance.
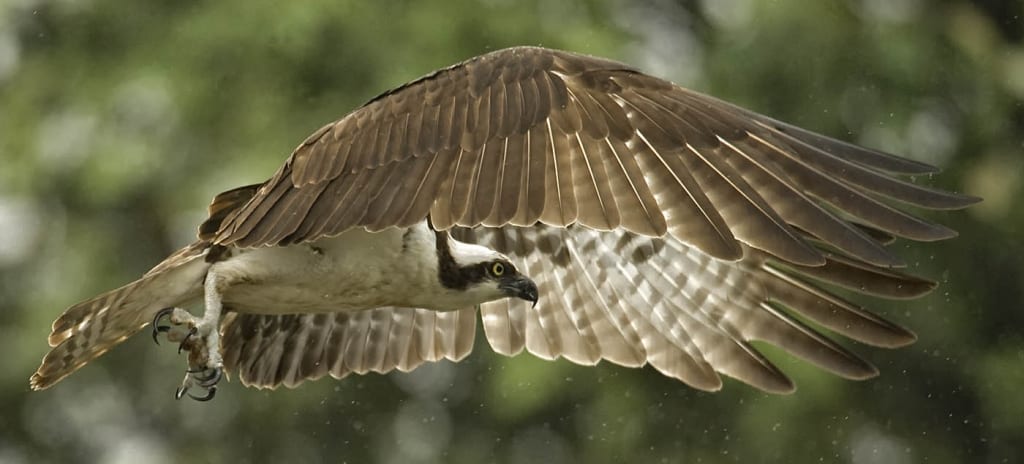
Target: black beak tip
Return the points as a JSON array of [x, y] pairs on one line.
[[529, 293], [526, 290], [532, 298]]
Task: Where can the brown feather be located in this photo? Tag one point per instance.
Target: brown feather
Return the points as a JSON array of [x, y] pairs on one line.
[[485, 188], [561, 207], [595, 200], [222, 206], [798, 210], [639, 209], [850, 200], [688, 212], [467, 169], [533, 192], [507, 183]]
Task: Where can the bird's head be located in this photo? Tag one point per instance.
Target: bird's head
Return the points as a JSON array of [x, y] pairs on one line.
[[483, 274]]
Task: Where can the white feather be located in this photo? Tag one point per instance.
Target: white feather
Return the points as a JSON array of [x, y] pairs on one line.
[[353, 271]]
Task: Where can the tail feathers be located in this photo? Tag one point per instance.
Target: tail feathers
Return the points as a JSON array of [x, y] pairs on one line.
[[90, 328]]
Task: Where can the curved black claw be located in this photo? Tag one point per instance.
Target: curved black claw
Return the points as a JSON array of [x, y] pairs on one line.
[[210, 380], [192, 331], [179, 393], [157, 328]]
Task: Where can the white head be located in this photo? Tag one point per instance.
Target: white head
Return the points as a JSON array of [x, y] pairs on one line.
[[475, 274]]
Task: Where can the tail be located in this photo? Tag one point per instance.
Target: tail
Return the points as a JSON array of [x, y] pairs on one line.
[[90, 328]]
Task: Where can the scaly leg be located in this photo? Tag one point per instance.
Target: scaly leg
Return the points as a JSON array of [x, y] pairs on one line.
[[202, 341]]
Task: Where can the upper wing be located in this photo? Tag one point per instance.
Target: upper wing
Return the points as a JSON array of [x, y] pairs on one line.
[[633, 300], [270, 350], [527, 134]]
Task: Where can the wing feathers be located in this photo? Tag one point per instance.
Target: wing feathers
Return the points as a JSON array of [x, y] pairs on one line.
[[454, 197], [485, 187], [223, 205], [560, 207], [801, 211], [749, 217], [688, 212], [506, 183], [267, 351], [844, 150], [852, 201], [784, 331], [527, 134], [834, 312], [638, 207], [595, 201], [533, 192], [635, 300], [863, 177], [867, 279]]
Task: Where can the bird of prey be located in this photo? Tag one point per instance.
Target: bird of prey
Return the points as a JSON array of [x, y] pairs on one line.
[[587, 210]]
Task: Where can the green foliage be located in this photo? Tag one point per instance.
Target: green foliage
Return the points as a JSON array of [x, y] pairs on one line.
[[119, 120]]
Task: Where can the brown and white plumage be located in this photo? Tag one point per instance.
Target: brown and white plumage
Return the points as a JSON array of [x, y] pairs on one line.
[[662, 226], [267, 351]]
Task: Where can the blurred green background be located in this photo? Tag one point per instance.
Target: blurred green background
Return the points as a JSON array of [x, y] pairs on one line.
[[119, 120]]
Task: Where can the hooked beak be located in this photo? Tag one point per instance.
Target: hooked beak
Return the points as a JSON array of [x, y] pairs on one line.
[[522, 288]]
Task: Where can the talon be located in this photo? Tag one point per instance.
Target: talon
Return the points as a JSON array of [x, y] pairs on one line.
[[192, 331], [157, 328], [209, 394], [211, 380], [180, 392]]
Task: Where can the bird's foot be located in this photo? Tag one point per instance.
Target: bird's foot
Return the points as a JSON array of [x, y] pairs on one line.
[[176, 318], [201, 341], [204, 379]]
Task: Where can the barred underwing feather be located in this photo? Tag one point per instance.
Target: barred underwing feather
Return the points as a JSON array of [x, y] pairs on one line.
[[681, 305], [268, 351]]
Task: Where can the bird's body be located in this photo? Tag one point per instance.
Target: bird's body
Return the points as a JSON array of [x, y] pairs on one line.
[[353, 271], [661, 226]]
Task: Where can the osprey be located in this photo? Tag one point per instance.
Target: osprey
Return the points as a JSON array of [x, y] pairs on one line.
[[587, 211]]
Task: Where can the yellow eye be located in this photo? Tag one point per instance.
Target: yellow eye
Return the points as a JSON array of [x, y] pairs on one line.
[[497, 269]]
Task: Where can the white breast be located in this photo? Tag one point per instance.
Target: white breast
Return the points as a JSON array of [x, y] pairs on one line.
[[353, 271]]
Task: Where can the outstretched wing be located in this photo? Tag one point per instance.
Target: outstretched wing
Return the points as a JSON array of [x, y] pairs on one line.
[[266, 351], [636, 300], [528, 134]]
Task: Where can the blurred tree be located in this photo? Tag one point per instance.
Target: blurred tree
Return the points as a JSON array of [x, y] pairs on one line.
[[119, 120]]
